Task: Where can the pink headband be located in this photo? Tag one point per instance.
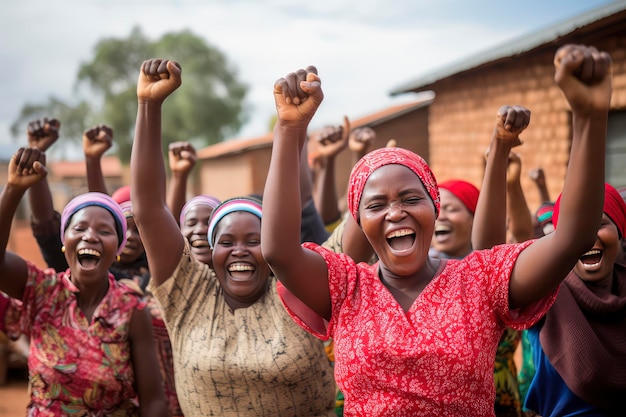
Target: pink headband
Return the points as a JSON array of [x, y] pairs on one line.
[[614, 207], [464, 191], [199, 200], [95, 199], [388, 156]]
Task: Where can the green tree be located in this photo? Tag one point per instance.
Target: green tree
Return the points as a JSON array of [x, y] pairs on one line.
[[206, 109]]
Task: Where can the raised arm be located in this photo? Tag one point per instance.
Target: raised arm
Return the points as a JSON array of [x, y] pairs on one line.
[[539, 178], [584, 75], [328, 143], [159, 230], [520, 221], [96, 141], [303, 272], [489, 228], [27, 167], [45, 222], [359, 142], [182, 158], [42, 133]]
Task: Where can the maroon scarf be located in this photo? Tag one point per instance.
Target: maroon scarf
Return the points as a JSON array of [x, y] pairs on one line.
[[584, 337]]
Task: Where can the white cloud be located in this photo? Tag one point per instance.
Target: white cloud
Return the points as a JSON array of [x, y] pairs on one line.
[[362, 48]]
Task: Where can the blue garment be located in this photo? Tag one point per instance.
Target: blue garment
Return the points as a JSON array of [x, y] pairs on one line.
[[548, 395]]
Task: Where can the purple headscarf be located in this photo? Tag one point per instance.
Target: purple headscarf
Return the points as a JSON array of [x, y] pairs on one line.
[[100, 200], [199, 200]]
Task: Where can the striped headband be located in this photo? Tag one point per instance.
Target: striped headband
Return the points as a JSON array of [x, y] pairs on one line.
[[388, 156], [230, 206], [127, 208], [96, 199], [199, 200]]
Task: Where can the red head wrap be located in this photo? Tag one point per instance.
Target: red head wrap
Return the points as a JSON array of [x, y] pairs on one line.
[[614, 207], [388, 156], [121, 194], [464, 191]]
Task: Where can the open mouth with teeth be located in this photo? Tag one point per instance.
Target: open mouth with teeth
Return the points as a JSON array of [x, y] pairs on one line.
[[442, 231], [241, 271], [199, 243], [401, 239], [591, 258], [88, 258]]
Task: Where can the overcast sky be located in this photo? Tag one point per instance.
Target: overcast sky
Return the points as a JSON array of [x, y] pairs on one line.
[[362, 48]]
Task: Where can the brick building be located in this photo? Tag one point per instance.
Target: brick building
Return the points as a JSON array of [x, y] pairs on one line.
[[469, 92], [451, 123]]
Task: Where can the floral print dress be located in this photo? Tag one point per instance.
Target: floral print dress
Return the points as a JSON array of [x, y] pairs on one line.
[[76, 367]]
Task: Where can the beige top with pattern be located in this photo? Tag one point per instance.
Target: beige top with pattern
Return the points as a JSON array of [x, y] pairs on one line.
[[254, 361]]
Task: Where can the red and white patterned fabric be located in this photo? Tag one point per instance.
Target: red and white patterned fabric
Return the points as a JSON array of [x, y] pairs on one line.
[[437, 358]]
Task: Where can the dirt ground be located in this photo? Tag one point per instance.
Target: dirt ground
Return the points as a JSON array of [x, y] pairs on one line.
[[14, 394]]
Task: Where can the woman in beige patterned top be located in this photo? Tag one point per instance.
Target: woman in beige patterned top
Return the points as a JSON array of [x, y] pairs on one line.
[[236, 351]]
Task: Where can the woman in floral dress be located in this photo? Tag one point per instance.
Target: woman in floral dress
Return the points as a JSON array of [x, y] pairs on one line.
[[92, 350]]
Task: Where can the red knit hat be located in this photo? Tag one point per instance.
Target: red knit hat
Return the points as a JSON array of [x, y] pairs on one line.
[[614, 207], [464, 191]]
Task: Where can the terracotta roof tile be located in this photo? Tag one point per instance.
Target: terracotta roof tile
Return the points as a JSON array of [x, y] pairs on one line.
[[111, 167], [235, 146]]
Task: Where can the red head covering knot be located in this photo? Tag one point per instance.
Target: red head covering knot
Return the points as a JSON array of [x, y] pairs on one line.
[[464, 191], [614, 207], [388, 156]]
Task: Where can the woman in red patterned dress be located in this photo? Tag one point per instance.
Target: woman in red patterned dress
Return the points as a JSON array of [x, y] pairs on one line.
[[415, 335]]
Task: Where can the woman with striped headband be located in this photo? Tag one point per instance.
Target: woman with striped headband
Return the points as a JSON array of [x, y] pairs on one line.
[[236, 350], [417, 336], [92, 350]]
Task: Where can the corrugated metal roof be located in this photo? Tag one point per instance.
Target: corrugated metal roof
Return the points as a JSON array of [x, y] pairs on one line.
[[520, 45]]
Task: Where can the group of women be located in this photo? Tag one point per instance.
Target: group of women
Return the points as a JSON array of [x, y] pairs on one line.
[[248, 309]]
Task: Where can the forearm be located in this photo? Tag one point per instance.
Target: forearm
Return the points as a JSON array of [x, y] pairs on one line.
[[13, 269], [326, 193], [489, 228], [544, 195], [40, 201], [159, 230], [582, 198], [520, 219], [147, 166], [95, 177], [177, 193], [10, 198], [281, 197]]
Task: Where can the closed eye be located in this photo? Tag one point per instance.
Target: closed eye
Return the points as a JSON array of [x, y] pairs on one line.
[[412, 200], [374, 206]]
